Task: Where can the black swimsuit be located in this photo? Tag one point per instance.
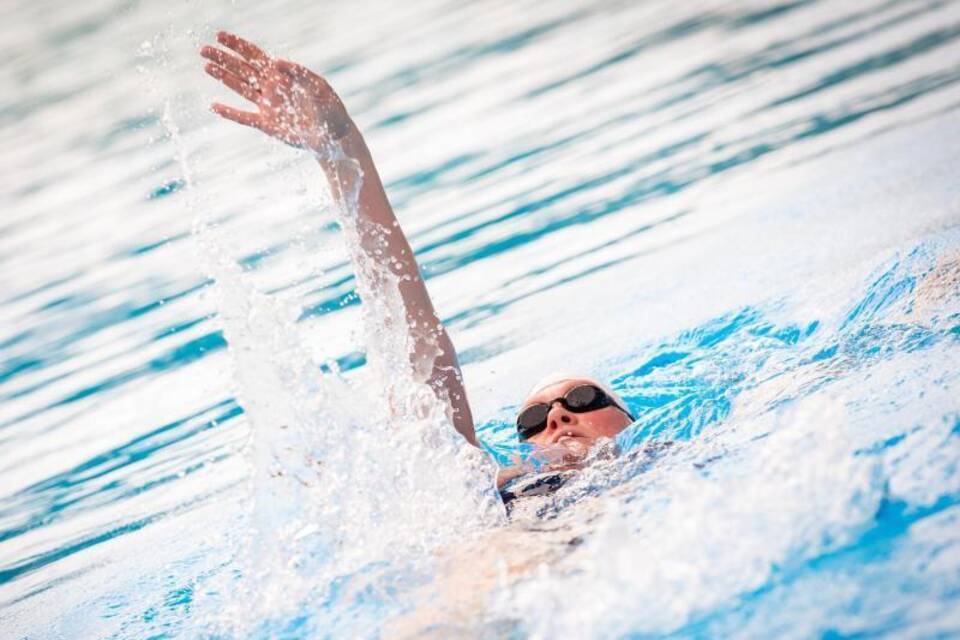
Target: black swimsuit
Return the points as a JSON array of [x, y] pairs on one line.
[[531, 485], [535, 491]]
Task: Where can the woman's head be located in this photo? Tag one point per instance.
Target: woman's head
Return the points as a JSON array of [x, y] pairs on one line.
[[571, 411]]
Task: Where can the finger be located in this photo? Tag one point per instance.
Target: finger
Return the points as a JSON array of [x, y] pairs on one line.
[[232, 63], [251, 52], [235, 82], [243, 117]]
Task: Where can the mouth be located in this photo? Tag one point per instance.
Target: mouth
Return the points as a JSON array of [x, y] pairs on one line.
[[569, 435]]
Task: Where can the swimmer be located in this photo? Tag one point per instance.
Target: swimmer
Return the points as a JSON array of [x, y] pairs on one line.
[[563, 416]]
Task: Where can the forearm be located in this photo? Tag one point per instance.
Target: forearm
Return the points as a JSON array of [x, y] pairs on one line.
[[381, 237], [383, 241]]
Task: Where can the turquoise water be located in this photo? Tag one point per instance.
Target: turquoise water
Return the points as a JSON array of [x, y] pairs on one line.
[[746, 216]]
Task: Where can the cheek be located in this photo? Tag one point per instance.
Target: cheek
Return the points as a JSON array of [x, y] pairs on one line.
[[606, 423]]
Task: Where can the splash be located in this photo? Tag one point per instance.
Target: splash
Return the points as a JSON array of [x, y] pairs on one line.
[[689, 536], [345, 473]]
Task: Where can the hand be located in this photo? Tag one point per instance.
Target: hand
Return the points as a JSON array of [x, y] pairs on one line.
[[294, 104]]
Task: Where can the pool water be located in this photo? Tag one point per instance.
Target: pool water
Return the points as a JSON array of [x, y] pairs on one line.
[[744, 215]]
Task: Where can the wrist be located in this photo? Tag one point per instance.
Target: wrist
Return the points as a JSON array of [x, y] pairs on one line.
[[343, 127], [343, 142], [337, 130]]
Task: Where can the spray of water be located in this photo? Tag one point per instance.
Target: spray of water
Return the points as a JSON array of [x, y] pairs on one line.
[[686, 536], [344, 473]]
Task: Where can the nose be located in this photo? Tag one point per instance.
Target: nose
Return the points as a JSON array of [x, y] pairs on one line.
[[558, 416]]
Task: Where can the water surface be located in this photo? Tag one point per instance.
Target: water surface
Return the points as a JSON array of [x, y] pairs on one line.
[[743, 214]]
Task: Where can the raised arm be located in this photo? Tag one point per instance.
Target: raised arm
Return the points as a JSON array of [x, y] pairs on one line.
[[297, 106]]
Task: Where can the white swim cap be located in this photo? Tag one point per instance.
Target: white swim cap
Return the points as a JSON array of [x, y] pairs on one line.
[[562, 376]]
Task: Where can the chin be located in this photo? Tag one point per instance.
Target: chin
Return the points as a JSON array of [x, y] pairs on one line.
[[578, 444]]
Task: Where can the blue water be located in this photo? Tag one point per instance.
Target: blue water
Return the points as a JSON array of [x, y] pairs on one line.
[[745, 216]]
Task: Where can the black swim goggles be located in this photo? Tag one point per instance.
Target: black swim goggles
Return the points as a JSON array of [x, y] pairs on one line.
[[580, 399]]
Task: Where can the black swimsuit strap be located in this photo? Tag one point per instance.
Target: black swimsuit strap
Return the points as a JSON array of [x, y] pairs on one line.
[[533, 485]]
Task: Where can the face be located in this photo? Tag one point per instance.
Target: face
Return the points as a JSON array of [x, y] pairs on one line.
[[575, 431]]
